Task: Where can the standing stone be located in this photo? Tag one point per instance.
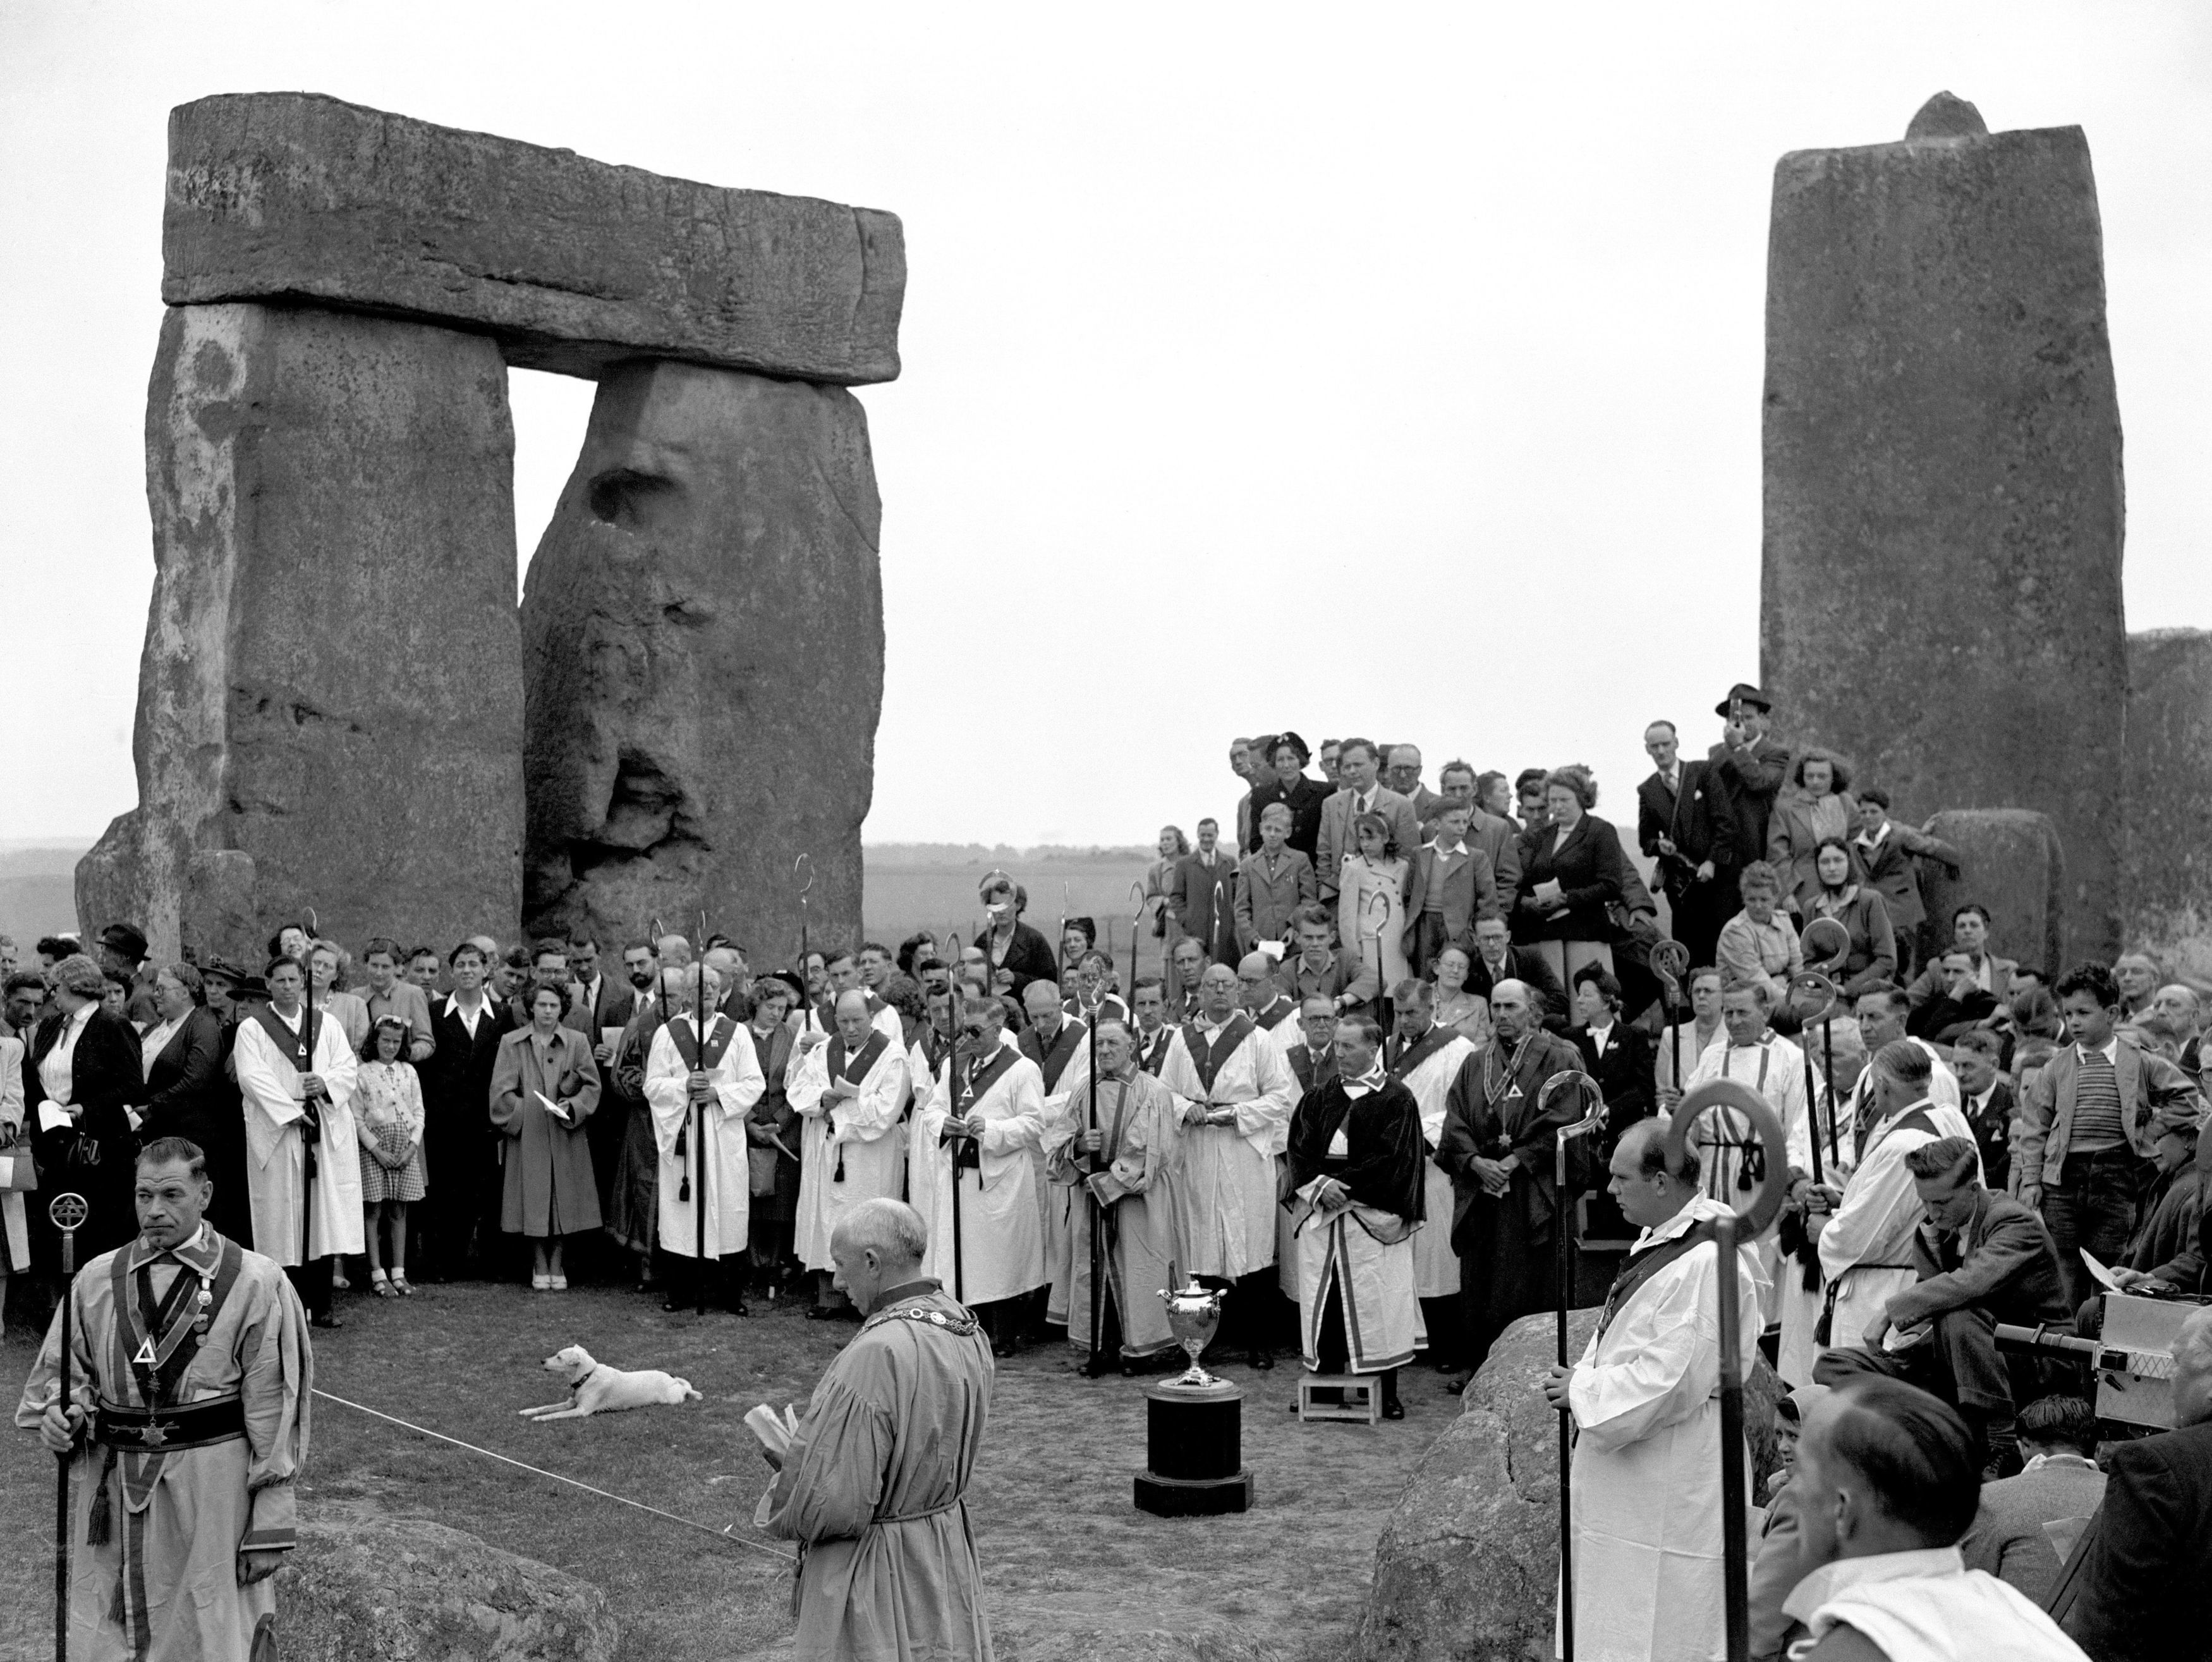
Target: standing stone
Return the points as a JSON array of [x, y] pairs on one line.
[[703, 652], [1941, 594], [2169, 886], [329, 698], [2012, 862]]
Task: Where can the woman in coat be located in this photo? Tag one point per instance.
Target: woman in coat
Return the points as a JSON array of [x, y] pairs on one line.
[[772, 1134], [1863, 913], [1572, 876], [1819, 809], [87, 1061], [549, 1190], [186, 1094]]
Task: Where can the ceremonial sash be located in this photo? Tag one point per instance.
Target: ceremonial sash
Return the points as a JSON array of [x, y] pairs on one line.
[[1209, 1059], [1276, 1014], [1914, 1119], [981, 1079], [853, 1070], [298, 1048], [682, 1033], [1053, 1063], [968, 1155], [1414, 1054], [1152, 1053], [1643, 1266], [1753, 1171]]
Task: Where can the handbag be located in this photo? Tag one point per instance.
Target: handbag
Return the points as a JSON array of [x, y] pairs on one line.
[[19, 1173]]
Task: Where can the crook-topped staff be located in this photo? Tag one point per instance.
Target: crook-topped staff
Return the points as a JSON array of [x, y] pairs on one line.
[[1592, 1121], [68, 1214], [1670, 962], [1136, 922], [1816, 979]]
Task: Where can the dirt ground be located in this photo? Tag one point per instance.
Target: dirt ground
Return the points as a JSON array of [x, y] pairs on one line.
[[1072, 1569]]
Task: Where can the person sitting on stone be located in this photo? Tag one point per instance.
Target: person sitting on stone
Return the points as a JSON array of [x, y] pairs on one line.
[[1888, 1482], [2012, 1536], [1890, 855], [1970, 934], [1862, 912], [2137, 974], [1759, 944], [1819, 810], [2174, 1210], [1982, 1259], [1959, 1006]]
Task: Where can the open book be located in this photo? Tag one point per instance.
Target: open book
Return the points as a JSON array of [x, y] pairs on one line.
[[775, 1430]]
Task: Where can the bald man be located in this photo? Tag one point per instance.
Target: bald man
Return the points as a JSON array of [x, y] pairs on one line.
[[849, 1091], [873, 1480], [1235, 1093], [700, 1082], [1426, 1059], [1261, 995], [1647, 1496]]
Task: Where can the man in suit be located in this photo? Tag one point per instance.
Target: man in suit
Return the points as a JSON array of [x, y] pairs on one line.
[[1403, 773], [1985, 1098], [1498, 960], [1747, 765], [1683, 822], [1890, 855], [1188, 963], [1982, 1258], [1204, 897], [2141, 1595], [1452, 885], [1958, 1007], [1273, 883], [1149, 1003], [1362, 794], [459, 1214], [2060, 1484], [1321, 969], [1986, 971], [601, 999], [1313, 1058]]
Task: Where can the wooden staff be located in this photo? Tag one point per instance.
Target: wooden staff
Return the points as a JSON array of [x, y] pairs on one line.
[[68, 1214], [1837, 949], [1592, 1121], [698, 1107], [1670, 962], [1136, 923], [1092, 1204]]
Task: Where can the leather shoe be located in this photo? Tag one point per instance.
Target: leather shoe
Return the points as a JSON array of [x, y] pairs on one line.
[[1392, 1409], [329, 1319], [821, 1312], [1263, 1361]]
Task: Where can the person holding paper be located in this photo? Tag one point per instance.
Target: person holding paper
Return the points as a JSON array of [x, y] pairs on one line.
[[849, 1091], [701, 1087], [873, 1476], [543, 1088]]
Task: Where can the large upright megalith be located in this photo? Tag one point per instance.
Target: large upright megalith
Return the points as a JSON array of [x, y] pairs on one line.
[[330, 702], [1941, 594], [330, 694], [2169, 782], [703, 652]]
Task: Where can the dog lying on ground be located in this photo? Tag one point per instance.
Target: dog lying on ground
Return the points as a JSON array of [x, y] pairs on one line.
[[595, 1388]]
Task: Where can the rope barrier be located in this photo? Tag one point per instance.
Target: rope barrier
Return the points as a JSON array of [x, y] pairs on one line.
[[722, 1534]]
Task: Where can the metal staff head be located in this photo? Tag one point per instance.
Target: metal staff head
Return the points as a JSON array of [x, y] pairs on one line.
[[1826, 997], [1593, 1119], [1825, 944], [67, 1213], [1136, 922], [1732, 1093], [1670, 962]]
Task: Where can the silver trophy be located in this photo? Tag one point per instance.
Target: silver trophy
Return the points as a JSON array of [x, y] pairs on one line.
[[1193, 1314]]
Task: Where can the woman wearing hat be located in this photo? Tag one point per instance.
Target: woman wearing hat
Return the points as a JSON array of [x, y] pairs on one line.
[[1291, 787]]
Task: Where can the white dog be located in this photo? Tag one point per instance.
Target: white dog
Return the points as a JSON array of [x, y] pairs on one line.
[[595, 1388]]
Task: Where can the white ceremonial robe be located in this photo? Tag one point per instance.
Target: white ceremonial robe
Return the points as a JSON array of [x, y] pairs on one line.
[[1436, 1266], [1001, 1222], [1801, 1304], [1054, 1207], [1927, 1606], [1776, 1069], [715, 1148], [921, 1171], [1230, 1172], [1649, 1550], [858, 1135], [1866, 1248], [275, 1165]]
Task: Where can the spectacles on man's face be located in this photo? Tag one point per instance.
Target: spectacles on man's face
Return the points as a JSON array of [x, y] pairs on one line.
[[972, 1030]]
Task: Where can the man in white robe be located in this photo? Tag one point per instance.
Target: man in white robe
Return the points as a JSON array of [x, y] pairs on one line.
[[295, 1075], [849, 1091], [985, 1122], [1865, 1240], [1751, 1054], [1425, 1059], [1236, 1093], [699, 1096], [1648, 1551]]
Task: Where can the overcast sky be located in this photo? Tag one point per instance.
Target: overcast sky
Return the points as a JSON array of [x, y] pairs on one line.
[[1381, 368]]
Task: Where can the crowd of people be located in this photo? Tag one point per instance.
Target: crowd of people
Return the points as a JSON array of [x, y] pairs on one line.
[[1337, 1101]]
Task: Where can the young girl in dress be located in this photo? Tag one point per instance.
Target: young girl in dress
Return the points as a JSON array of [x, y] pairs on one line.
[[1371, 896], [388, 1114]]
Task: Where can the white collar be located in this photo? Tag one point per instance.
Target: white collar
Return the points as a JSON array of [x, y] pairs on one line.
[[1832, 1579], [83, 1014], [1373, 1079], [2110, 1050], [1599, 1035], [1700, 1209], [2077, 1461], [454, 1002]]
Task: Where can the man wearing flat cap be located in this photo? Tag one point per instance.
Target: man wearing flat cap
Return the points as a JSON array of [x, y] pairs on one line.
[[1289, 785], [1748, 765]]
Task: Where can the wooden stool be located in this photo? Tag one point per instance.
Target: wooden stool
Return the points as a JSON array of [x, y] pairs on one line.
[[1360, 1398]]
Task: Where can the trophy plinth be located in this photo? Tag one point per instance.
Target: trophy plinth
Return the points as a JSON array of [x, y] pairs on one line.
[[1194, 1424]]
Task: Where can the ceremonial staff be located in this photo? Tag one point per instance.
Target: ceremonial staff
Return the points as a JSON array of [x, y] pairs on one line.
[[68, 1214], [1670, 962], [698, 1105], [1824, 930], [1367, 909], [1091, 1201], [805, 988], [1136, 922], [1727, 1231], [1592, 1121], [1059, 944], [952, 1088]]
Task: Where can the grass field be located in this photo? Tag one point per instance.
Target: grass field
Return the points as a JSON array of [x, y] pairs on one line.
[[1072, 1570], [940, 896]]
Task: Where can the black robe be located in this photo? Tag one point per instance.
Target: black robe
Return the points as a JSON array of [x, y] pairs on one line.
[[95, 1158], [1382, 1139], [188, 1094]]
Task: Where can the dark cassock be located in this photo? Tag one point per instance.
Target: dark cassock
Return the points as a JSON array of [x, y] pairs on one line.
[[189, 1094], [1357, 1310], [1063, 1061], [1127, 1187], [82, 1072], [772, 1129], [873, 1487], [193, 1365], [1507, 1263], [633, 1208]]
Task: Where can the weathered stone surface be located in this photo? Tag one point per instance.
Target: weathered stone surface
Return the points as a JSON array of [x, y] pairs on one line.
[[1947, 116], [363, 1587], [2169, 880], [1941, 584], [330, 694], [2012, 862], [703, 648], [571, 264], [1468, 1565]]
